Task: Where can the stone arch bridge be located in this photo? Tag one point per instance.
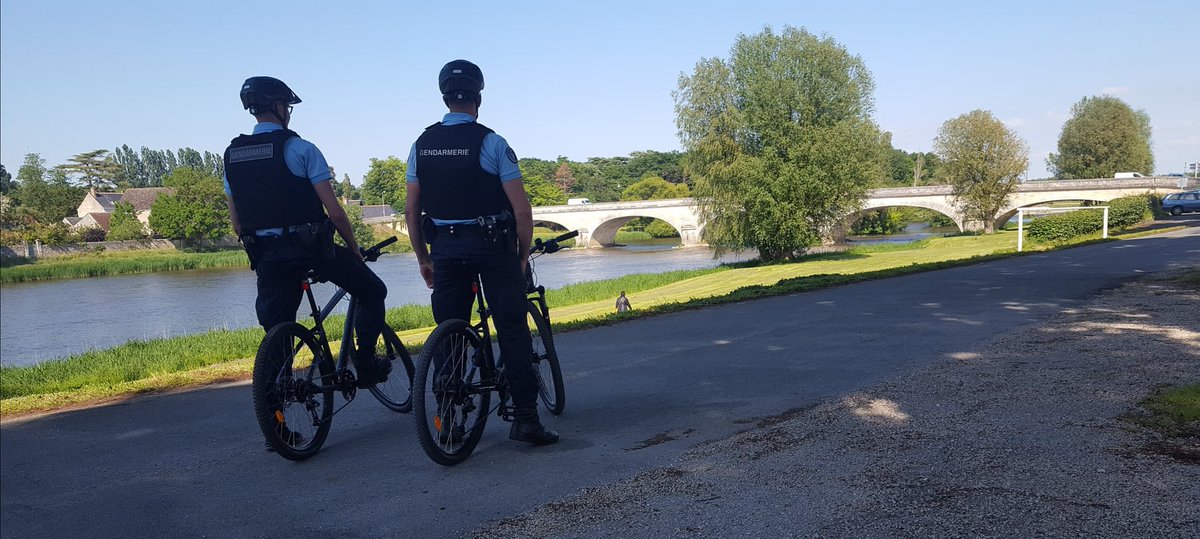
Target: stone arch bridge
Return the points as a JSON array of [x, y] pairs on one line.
[[598, 223]]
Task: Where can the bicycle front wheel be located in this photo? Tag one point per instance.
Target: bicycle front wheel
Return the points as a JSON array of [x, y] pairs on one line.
[[545, 362], [396, 392], [293, 391], [451, 393]]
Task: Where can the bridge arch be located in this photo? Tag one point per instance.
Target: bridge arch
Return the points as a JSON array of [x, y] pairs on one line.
[[944, 209], [549, 223], [605, 233], [1045, 198]]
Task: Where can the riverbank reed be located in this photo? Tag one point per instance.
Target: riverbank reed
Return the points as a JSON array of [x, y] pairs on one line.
[[105, 264]]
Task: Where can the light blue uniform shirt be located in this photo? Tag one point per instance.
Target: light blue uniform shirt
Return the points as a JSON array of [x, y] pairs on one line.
[[303, 159], [496, 157]]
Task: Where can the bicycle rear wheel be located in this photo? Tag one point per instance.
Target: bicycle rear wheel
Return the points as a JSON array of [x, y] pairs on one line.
[[451, 400], [396, 392], [293, 411], [545, 362]]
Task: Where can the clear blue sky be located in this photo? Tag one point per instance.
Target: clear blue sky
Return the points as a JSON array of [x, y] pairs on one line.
[[578, 79]]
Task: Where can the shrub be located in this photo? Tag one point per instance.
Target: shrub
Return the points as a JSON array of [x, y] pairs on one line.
[[124, 224], [92, 234], [55, 234], [1128, 211], [660, 229], [1122, 213], [883, 221]]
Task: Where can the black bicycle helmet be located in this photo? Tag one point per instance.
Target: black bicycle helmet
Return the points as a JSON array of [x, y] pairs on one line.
[[460, 76], [264, 92]]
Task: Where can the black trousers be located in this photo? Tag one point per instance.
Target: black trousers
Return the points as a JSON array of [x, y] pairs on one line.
[[457, 259], [279, 292]]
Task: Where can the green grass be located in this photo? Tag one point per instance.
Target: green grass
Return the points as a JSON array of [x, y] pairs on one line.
[[1191, 279], [1181, 404], [164, 363], [1174, 412], [118, 263]]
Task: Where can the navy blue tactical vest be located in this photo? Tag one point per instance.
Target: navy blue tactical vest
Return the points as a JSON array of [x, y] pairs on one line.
[[266, 193], [453, 183]]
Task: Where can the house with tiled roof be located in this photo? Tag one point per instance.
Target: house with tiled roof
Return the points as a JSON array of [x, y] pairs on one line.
[[96, 209]]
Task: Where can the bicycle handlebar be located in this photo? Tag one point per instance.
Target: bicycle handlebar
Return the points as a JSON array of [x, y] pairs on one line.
[[551, 245], [372, 254]]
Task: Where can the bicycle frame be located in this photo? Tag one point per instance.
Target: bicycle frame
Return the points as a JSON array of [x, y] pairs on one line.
[[320, 314], [492, 378]]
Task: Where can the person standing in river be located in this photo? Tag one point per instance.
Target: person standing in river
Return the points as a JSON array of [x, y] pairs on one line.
[[461, 174], [283, 209]]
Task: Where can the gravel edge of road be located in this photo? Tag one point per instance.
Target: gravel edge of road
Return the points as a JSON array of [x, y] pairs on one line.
[[1023, 437]]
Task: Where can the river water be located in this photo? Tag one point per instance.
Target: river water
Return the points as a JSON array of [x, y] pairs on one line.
[[55, 319], [48, 320]]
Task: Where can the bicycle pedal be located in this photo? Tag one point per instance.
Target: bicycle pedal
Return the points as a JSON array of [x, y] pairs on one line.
[[347, 384], [506, 413]]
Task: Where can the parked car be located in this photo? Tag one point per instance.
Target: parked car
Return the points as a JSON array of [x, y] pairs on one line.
[[1178, 203]]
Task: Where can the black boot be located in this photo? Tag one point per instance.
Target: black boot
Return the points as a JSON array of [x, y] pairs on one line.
[[371, 370], [527, 428]]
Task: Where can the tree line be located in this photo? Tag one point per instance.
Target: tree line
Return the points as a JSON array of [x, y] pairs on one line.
[[40, 196]]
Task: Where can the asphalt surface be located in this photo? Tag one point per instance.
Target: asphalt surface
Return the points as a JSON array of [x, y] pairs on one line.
[[638, 395]]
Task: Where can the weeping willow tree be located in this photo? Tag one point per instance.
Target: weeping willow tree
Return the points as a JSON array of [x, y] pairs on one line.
[[780, 140]]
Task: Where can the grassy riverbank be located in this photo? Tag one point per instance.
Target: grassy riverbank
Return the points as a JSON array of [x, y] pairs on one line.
[[159, 364], [116, 263]]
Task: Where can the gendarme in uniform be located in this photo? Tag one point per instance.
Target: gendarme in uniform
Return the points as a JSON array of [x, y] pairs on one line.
[[461, 174], [283, 208]]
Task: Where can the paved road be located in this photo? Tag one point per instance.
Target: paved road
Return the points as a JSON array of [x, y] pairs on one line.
[[639, 393]]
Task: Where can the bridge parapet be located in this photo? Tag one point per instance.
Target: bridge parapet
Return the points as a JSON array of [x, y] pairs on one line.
[[608, 206], [598, 223], [1100, 183]]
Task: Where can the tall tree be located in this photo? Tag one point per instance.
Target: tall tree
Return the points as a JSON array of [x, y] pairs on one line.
[[133, 170], [46, 196], [346, 189], [385, 183], [654, 188], [5, 180], [158, 164], [531, 166], [192, 159], [94, 169], [983, 161], [197, 210], [780, 140], [214, 164], [32, 170], [564, 179], [1103, 136], [665, 165], [542, 192]]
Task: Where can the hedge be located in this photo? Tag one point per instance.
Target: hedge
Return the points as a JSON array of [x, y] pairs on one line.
[[1122, 213]]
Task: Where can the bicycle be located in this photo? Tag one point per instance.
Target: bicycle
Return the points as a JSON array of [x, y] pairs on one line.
[[457, 371], [295, 376]]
